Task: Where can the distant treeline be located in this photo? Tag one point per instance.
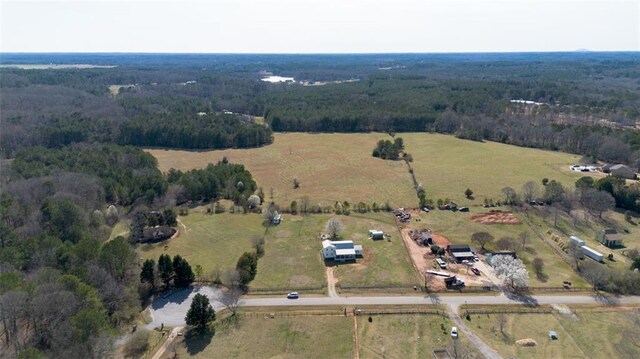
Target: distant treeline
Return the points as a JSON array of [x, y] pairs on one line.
[[464, 95], [199, 132]]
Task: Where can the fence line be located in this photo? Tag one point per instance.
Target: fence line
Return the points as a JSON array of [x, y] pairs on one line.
[[439, 312], [508, 310]]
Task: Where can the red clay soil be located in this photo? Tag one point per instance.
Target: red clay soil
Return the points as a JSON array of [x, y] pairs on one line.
[[496, 218]]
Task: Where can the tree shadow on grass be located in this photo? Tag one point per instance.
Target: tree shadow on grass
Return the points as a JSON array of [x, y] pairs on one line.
[[542, 277], [195, 342]]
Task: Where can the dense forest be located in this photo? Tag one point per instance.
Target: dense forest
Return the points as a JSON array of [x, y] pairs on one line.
[[70, 167]]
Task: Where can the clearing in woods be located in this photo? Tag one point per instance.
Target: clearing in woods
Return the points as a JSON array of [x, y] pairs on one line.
[[339, 167]]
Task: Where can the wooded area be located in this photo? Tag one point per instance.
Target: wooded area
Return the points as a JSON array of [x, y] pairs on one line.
[[69, 170]]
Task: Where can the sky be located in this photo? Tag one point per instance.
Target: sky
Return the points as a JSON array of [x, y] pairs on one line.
[[319, 26]]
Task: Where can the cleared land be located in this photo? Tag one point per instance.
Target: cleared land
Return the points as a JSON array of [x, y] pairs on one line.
[[384, 263], [446, 166], [582, 334], [329, 167], [285, 338], [402, 336], [339, 167], [458, 227], [293, 256], [212, 241], [566, 226]]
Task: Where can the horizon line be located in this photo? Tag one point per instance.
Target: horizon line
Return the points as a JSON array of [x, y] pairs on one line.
[[579, 51]]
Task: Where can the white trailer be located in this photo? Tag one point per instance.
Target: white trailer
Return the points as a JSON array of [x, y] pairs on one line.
[[577, 241], [592, 253]]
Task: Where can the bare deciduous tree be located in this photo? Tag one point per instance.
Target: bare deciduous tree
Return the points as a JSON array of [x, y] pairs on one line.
[[230, 298], [502, 320], [530, 191], [258, 245], [232, 278], [333, 227], [524, 238], [595, 274], [507, 243], [482, 238], [538, 266]]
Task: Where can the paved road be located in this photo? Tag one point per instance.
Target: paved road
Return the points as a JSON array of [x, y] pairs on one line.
[[171, 310]]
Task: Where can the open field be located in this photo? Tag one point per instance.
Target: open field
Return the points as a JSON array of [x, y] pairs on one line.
[[402, 336], [446, 166], [458, 227], [329, 167], [384, 262], [584, 334], [295, 337], [212, 241], [339, 167], [293, 257]]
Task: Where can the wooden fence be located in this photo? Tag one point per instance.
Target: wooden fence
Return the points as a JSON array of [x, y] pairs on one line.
[[359, 311]]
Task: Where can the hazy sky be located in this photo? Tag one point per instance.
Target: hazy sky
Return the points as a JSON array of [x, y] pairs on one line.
[[303, 26]]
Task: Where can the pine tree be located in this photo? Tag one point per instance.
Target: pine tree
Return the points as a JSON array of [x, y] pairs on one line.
[[165, 269], [147, 275], [200, 313]]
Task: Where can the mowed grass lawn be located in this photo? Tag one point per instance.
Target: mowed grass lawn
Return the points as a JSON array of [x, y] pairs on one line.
[[329, 167], [446, 166], [384, 262], [293, 255], [607, 334], [212, 241], [283, 338], [458, 228], [402, 336]]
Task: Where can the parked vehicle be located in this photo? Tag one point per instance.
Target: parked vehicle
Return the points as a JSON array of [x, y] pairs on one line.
[[293, 295], [475, 271], [441, 263], [454, 332], [464, 209]]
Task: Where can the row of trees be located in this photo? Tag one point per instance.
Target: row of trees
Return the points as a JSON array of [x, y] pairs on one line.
[[177, 270]]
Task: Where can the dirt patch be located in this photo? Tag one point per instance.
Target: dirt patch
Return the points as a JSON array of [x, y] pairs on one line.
[[440, 241], [496, 218], [283, 234], [423, 260]]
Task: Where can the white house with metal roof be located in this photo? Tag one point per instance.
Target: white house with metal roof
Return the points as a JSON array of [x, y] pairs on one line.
[[340, 251]]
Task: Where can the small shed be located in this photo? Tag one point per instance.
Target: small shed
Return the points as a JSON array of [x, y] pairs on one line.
[[376, 234], [609, 237]]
